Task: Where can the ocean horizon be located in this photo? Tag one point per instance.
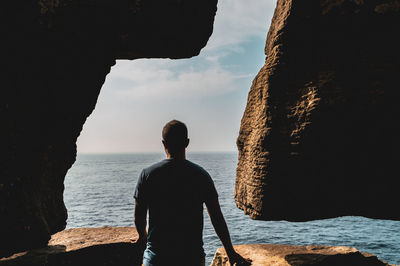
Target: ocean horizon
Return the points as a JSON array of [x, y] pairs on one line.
[[99, 192]]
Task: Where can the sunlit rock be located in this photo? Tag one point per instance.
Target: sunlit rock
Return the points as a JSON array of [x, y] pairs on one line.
[[319, 135], [285, 255]]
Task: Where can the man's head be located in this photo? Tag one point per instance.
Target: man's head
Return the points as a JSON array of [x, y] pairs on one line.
[[175, 137]]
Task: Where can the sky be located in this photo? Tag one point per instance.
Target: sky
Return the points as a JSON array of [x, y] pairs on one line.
[[208, 92]]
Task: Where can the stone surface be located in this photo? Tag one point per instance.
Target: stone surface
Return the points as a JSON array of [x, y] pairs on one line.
[[285, 255], [83, 246], [56, 55], [318, 137]]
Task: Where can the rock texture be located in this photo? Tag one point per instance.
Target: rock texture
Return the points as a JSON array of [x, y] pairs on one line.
[[108, 246], [56, 55], [318, 137], [285, 255]]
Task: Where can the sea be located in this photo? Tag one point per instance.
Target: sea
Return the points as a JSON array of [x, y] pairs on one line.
[[99, 192]]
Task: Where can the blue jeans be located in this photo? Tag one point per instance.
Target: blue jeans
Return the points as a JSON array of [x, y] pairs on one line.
[[151, 259]]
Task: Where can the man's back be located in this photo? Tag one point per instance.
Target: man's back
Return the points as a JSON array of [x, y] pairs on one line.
[[174, 191]]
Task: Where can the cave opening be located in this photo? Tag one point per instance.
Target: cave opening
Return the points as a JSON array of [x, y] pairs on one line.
[[123, 134], [208, 93], [66, 69]]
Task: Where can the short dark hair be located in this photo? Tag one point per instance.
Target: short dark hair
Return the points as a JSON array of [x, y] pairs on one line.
[[175, 134]]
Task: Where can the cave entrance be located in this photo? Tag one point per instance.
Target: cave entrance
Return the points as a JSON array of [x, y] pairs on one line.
[[208, 93], [123, 134]]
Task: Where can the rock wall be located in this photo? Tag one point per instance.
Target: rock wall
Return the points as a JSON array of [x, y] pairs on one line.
[[56, 55], [285, 255], [318, 137]]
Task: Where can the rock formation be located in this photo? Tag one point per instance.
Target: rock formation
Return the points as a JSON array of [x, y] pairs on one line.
[[56, 55], [285, 255], [108, 246], [318, 137]]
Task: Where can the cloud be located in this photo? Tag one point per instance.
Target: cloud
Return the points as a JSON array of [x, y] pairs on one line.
[[238, 21], [157, 79]]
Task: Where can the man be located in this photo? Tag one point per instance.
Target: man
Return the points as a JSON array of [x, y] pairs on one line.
[[174, 191]]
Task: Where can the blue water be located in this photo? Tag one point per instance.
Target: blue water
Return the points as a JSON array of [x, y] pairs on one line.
[[99, 189]]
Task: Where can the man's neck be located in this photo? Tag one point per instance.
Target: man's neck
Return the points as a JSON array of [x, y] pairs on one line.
[[179, 155]]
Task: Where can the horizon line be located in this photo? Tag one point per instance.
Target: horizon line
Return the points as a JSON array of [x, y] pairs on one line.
[[154, 152]]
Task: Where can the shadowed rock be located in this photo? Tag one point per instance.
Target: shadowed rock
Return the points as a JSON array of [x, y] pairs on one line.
[[318, 137], [285, 255], [57, 54], [107, 246]]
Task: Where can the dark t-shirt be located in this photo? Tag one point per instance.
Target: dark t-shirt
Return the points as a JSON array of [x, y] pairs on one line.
[[174, 191]]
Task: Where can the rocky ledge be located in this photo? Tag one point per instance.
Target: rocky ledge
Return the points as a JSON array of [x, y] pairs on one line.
[[285, 255], [106, 246], [112, 246]]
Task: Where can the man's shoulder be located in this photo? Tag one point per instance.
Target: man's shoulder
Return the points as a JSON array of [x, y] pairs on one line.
[[197, 167], [155, 166]]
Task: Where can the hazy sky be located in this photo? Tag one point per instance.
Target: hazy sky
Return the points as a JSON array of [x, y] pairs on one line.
[[207, 92]]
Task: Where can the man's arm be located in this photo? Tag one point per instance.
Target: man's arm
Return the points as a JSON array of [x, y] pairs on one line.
[[140, 223], [219, 224]]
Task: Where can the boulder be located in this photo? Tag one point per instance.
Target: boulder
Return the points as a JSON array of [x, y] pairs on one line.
[[108, 246], [286, 255], [56, 55], [318, 138]]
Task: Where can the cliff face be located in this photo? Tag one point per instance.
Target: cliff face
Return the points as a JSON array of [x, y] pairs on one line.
[[57, 54], [318, 137]]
